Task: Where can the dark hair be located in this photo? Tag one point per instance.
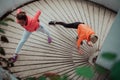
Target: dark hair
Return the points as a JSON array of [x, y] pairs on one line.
[[21, 16]]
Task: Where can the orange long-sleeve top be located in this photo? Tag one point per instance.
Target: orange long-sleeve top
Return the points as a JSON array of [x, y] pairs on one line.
[[84, 31], [32, 23]]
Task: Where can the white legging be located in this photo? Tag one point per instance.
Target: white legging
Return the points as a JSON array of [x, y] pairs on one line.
[[26, 35]]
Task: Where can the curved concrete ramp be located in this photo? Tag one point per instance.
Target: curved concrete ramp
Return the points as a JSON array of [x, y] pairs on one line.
[[61, 56]]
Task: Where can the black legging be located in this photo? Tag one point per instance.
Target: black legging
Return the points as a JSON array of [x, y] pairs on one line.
[[70, 25]]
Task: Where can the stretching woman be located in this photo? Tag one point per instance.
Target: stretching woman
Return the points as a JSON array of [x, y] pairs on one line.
[[30, 25]]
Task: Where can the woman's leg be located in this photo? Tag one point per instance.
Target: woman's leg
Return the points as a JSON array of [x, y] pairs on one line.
[[66, 25], [43, 29], [24, 38], [69, 25]]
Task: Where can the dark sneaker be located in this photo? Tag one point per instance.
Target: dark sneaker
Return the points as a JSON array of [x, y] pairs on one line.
[[13, 59], [94, 59], [52, 23]]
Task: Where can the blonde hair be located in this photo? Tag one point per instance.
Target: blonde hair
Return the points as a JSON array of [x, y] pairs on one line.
[[93, 38]]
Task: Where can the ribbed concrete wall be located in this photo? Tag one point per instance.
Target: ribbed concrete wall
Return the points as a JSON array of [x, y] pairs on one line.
[[61, 56]]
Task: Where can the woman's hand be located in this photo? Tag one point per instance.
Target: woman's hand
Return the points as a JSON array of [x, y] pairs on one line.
[[90, 44], [80, 51]]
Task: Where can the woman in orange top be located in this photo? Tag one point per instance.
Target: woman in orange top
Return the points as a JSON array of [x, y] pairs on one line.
[[83, 30], [30, 24], [86, 33]]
